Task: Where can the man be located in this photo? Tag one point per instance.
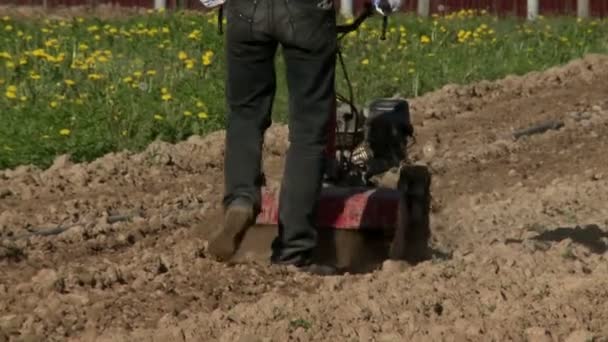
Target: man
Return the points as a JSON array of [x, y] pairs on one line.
[[306, 31]]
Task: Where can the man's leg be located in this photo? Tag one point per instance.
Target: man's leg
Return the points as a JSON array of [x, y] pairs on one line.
[[250, 90], [309, 45]]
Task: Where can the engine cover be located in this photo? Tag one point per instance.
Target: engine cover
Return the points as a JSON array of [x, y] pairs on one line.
[[387, 129]]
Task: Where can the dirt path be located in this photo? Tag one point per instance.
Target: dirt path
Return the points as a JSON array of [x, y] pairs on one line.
[[524, 222]]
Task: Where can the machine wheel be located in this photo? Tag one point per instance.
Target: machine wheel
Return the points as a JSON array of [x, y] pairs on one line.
[[412, 231]]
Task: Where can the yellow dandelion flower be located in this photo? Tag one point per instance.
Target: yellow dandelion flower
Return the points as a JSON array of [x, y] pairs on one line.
[[137, 73], [203, 115], [39, 53], [53, 104], [60, 58], [11, 92], [166, 97], [95, 77], [365, 61], [207, 58], [51, 42], [34, 75], [151, 72], [69, 82], [424, 39], [65, 132], [10, 65], [127, 79], [158, 117], [187, 113], [194, 35], [182, 55], [189, 64], [5, 55]]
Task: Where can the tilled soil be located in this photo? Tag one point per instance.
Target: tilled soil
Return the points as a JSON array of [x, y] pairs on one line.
[[115, 249]]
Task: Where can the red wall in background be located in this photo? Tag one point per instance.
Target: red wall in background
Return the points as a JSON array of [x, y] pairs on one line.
[[557, 7], [499, 7], [57, 3], [599, 8]]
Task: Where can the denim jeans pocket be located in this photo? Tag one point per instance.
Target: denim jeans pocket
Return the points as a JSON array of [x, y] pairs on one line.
[[313, 23], [316, 12], [241, 10]]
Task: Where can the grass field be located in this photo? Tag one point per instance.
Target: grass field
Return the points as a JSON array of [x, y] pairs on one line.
[[89, 86]]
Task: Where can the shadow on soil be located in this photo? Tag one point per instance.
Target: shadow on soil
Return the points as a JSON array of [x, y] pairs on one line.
[[590, 236]]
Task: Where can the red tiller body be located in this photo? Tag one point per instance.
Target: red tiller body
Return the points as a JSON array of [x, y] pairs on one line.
[[351, 208]]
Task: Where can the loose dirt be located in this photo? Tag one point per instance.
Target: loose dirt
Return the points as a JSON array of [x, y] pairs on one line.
[[115, 249]]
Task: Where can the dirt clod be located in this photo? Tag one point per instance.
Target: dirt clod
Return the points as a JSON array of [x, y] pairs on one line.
[[580, 336]]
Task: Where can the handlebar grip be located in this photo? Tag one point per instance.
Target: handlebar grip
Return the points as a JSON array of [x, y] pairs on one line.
[[368, 12]]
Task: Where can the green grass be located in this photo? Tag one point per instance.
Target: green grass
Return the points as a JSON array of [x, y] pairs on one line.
[[88, 86]]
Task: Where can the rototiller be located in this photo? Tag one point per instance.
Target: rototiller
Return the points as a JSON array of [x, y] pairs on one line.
[[365, 147]]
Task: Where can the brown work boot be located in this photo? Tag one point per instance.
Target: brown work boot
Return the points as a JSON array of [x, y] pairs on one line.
[[238, 218]]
